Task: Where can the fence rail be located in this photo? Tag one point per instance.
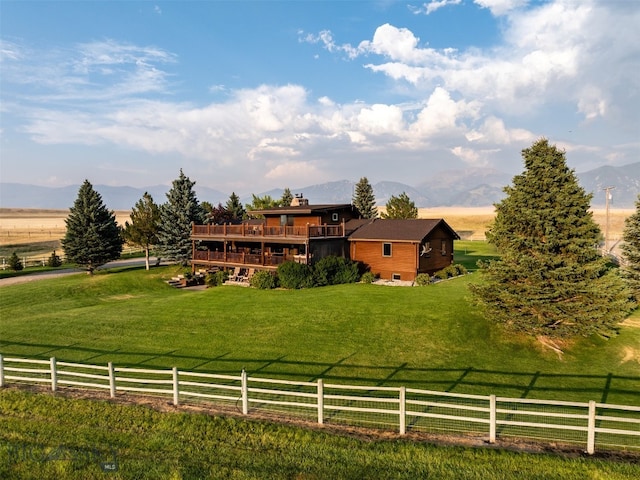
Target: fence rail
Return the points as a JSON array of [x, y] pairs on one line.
[[403, 409]]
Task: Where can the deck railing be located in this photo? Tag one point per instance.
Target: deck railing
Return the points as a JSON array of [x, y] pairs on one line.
[[271, 260], [251, 231]]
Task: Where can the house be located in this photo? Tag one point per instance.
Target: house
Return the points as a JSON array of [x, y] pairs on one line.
[[402, 249], [304, 233], [300, 232]]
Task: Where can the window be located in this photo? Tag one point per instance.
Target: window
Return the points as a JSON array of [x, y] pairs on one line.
[[286, 220], [386, 249], [334, 217], [396, 276], [444, 247]]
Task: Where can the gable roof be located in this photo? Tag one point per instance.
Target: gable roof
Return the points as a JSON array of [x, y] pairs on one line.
[[414, 230]]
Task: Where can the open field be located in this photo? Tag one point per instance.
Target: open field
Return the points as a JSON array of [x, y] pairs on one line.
[[428, 337], [34, 233], [45, 436], [38, 232]]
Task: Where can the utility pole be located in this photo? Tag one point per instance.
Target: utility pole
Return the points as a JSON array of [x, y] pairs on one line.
[[608, 198]]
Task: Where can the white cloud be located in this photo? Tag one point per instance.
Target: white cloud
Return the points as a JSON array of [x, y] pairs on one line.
[[380, 119], [473, 157], [473, 106], [433, 5], [500, 7]]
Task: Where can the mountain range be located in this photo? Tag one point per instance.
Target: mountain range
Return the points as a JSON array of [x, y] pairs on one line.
[[474, 187]]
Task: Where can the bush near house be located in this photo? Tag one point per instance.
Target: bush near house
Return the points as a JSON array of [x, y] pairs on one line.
[[368, 277], [294, 275], [333, 270], [216, 279], [423, 279], [264, 280]]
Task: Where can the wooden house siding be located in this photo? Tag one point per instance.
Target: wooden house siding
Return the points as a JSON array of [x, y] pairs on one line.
[[401, 262]]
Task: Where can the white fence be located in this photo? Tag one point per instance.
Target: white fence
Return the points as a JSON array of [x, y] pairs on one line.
[[403, 409]]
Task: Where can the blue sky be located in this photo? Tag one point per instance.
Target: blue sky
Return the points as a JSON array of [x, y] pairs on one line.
[[249, 96]]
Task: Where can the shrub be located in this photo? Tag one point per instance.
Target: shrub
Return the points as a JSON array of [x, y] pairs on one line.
[[334, 270], [54, 260], [216, 279], [460, 269], [14, 262], [368, 277], [451, 271], [264, 280], [423, 279], [441, 274], [294, 275]]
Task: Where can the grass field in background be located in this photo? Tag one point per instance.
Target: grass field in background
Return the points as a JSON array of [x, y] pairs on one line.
[[423, 337], [49, 437]]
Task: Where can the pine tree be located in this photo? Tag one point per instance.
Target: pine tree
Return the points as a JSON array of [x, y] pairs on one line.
[[364, 200], [54, 260], [176, 216], [144, 226], [631, 252], [550, 279], [235, 207], [15, 263], [93, 237], [286, 198], [400, 207]]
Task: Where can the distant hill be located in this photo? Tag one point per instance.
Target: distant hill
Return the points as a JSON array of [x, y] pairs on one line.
[[625, 179], [473, 187]]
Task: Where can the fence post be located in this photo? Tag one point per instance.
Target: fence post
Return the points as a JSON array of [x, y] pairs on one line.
[[492, 419], [112, 380], [1, 371], [403, 410], [175, 386], [54, 375], [320, 401], [591, 428], [245, 393]]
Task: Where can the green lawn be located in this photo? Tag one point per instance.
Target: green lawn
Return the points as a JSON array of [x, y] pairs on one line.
[[50, 437], [428, 337]]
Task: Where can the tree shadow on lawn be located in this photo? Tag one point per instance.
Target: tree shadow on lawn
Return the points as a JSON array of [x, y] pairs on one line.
[[579, 387]]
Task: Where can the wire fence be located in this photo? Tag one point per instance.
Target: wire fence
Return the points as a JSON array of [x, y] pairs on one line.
[[401, 409]]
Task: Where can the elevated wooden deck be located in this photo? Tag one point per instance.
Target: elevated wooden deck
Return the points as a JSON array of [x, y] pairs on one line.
[[265, 233], [231, 259]]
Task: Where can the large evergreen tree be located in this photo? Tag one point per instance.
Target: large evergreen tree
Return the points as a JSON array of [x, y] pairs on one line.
[[234, 205], [93, 237], [631, 251], [144, 226], [400, 207], [176, 216], [364, 200], [550, 279]]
